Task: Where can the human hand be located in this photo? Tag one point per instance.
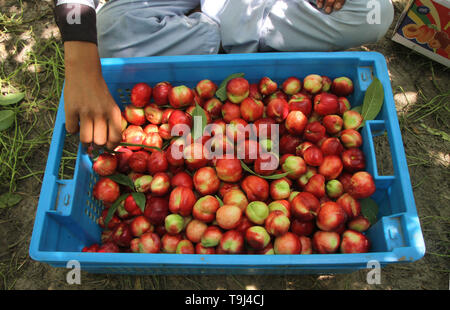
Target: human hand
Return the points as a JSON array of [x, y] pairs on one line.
[[89, 107], [330, 5]]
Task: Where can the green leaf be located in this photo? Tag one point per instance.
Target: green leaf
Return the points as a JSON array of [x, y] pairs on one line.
[[221, 92], [6, 119], [9, 200], [358, 109], [220, 200], [369, 209], [199, 122], [267, 177], [113, 208], [140, 200], [373, 100], [141, 145], [122, 179], [11, 98]]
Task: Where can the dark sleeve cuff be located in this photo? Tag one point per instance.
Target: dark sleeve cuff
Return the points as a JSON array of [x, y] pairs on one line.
[[76, 22]]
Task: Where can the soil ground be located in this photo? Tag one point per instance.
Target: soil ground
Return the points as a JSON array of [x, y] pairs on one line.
[[421, 91]]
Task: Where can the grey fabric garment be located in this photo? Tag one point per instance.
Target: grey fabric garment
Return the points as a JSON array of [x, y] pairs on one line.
[[132, 28], [128, 28]]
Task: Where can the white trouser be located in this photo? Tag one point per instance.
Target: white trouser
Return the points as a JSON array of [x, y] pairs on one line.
[[133, 28]]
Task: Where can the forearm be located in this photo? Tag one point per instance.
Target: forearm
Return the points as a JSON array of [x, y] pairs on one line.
[[81, 60]]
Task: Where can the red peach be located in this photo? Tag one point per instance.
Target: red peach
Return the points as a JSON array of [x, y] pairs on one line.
[[230, 111], [313, 156], [359, 223], [106, 190], [153, 114], [316, 185], [257, 212], [195, 230], [354, 242], [333, 123], [301, 102], [334, 189], [140, 225], [205, 208], [278, 109], [295, 165], [342, 86], [185, 247], [135, 115], [214, 107], [161, 93], [304, 206], [306, 245], [353, 159], [314, 132], [206, 89], [169, 243], [200, 249], [156, 210], [331, 167], [350, 205], [332, 146], [157, 162], [237, 89], [256, 188], [232, 242], [105, 164], [282, 205], [288, 243], [313, 83], [296, 122], [280, 189], [149, 243], [326, 242], [237, 197], [160, 184], [151, 141], [140, 94], [352, 119], [182, 178], [350, 138], [229, 170], [174, 223], [211, 237], [251, 109], [182, 200], [267, 86], [302, 228], [277, 223], [362, 185], [326, 104], [228, 216], [344, 105], [291, 85], [330, 216], [122, 235], [257, 237], [180, 96]]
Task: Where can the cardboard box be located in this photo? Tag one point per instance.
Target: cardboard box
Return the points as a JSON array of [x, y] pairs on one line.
[[424, 27]]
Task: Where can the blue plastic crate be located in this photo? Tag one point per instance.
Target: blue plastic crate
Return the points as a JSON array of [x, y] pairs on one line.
[[66, 218]]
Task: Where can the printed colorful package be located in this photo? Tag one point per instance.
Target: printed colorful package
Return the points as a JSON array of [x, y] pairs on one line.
[[425, 27]]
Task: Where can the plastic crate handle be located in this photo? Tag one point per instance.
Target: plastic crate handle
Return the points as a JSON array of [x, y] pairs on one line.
[[51, 180]]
